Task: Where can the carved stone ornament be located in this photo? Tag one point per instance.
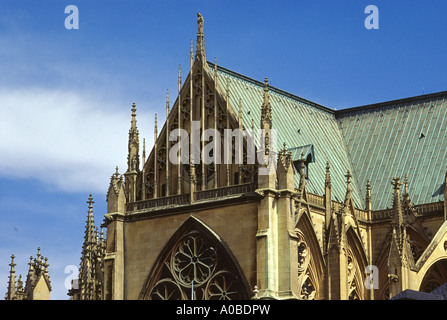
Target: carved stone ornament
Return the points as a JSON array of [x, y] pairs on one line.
[[196, 270]]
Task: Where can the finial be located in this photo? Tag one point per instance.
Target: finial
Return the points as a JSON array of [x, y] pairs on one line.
[[12, 264], [200, 22], [396, 183], [255, 293], [134, 109], [20, 283], [90, 200], [30, 263], [348, 176]]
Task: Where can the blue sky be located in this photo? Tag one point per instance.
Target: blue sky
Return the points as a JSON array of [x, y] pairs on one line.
[[65, 95]]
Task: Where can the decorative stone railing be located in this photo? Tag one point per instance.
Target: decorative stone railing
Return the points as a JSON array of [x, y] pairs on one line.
[[316, 200], [159, 202], [224, 191], [421, 209], [184, 199]]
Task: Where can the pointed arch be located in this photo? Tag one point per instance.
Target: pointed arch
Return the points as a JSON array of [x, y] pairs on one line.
[[418, 242], [357, 263], [383, 292], [435, 276], [195, 264], [310, 260]]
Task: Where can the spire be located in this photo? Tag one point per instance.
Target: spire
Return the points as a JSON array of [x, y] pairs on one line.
[[134, 116], [31, 266], [200, 49], [92, 254], [133, 158], [89, 237], [12, 280]]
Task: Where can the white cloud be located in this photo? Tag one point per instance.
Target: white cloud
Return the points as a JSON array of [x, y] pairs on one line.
[[69, 140]]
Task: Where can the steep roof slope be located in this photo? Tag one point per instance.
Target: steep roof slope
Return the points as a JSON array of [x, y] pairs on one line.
[[303, 125], [399, 138]]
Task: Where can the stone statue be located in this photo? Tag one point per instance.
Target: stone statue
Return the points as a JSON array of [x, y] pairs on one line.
[[200, 22]]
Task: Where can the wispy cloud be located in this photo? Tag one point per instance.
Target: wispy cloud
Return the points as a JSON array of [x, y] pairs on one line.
[[66, 139]]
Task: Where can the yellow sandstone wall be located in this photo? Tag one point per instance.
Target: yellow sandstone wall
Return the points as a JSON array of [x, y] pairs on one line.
[[145, 239]]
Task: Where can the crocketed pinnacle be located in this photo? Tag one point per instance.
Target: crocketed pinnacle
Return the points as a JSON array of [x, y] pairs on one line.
[[133, 158]]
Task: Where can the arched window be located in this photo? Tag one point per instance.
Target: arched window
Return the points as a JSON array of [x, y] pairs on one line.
[[310, 261], [435, 276], [195, 265]]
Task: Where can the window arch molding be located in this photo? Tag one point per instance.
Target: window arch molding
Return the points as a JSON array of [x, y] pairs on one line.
[[195, 263]]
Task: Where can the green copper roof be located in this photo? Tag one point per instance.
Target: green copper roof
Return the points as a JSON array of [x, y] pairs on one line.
[[397, 139], [402, 138], [302, 125]]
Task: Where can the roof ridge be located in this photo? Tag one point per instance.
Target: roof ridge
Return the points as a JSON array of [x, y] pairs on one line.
[[324, 108], [392, 102], [271, 88]]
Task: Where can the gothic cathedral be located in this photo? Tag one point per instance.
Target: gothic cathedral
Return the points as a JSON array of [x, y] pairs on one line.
[[251, 192]]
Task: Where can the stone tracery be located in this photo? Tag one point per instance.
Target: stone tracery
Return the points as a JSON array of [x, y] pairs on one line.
[[196, 267]]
